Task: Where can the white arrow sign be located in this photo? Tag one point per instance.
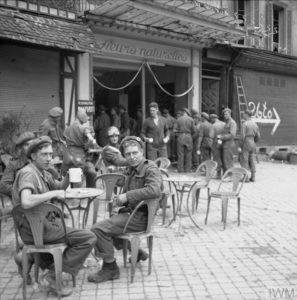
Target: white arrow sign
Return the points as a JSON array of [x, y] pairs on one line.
[[276, 121]]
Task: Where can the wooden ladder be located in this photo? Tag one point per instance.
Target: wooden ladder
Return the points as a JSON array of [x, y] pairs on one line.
[[242, 103]]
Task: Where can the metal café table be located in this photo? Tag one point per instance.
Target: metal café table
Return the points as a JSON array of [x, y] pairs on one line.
[[74, 201], [183, 184]]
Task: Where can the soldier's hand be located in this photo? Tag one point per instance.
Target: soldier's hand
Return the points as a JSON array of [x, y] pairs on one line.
[[121, 199], [239, 150], [60, 194], [198, 152]]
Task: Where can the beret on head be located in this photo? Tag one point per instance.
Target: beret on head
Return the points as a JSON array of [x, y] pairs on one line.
[[227, 109], [248, 112], [25, 137], [55, 112], [205, 115], [213, 116], [82, 116], [38, 142], [130, 138], [186, 110]]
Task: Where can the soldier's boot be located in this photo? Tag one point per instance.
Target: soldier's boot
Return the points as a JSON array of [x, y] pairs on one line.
[[253, 177], [109, 271]]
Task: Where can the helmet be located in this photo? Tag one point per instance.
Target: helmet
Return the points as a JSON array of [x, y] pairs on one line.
[[113, 131]]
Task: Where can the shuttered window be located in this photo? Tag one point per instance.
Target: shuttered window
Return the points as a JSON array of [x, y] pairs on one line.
[[29, 81]]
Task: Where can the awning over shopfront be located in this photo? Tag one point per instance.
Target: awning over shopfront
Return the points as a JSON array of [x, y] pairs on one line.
[[193, 22], [18, 26]]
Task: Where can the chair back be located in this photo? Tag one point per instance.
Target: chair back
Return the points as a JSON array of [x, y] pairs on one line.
[[36, 217], [237, 175], [152, 206], [109, 182], [163, 163], [207, 169]]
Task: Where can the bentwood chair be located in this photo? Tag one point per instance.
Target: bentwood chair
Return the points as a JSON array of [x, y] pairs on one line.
[[135, 237], [206, 171], [36, 217], [111, 183], [228, 189], [163, 163]]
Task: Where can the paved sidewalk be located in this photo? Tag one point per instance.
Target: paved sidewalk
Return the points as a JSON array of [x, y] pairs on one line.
[[254, 261]]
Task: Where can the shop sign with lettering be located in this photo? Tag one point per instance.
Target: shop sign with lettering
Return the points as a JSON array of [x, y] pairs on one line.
[[126, 47], [87, 106]]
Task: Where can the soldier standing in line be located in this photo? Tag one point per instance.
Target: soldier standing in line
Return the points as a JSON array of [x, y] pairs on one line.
[[185, 129], [197, 122], [227, 138], [249, 136], [125, 121], [170, 120], [206, 135], [155, 132], [101, 124], [217, 151]]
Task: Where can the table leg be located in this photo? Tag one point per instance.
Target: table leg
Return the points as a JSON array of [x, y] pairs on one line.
[[189, 209]]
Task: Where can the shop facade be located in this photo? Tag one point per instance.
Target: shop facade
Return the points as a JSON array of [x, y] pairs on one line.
[[44, 62], [147, 71]]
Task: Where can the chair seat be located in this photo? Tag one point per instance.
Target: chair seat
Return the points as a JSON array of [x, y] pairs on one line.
[[46, 248], [224, 194]]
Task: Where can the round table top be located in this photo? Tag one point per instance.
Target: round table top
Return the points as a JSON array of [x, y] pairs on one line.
[[182, 178], [83, 192]]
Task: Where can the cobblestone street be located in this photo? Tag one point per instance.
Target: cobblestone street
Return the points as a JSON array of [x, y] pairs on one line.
[[254, 261]]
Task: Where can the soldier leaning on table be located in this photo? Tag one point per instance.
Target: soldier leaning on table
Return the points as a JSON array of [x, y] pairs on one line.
[[249, 136], [32, 187], [79, 139], [143, 182]]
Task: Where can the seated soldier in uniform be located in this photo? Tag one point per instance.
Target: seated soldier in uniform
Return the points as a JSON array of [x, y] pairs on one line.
[[111, 155], [32, 187], [143, 182]]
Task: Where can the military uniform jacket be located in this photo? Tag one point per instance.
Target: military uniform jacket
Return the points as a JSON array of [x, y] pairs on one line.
[[229, 133], [157, 132], [50, 128], [112, 157], [206, 134], [10, 173], [250, 134], [143, 183]]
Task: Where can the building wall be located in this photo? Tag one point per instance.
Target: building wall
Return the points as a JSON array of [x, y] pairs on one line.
[[29, 81], [271, 96]]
